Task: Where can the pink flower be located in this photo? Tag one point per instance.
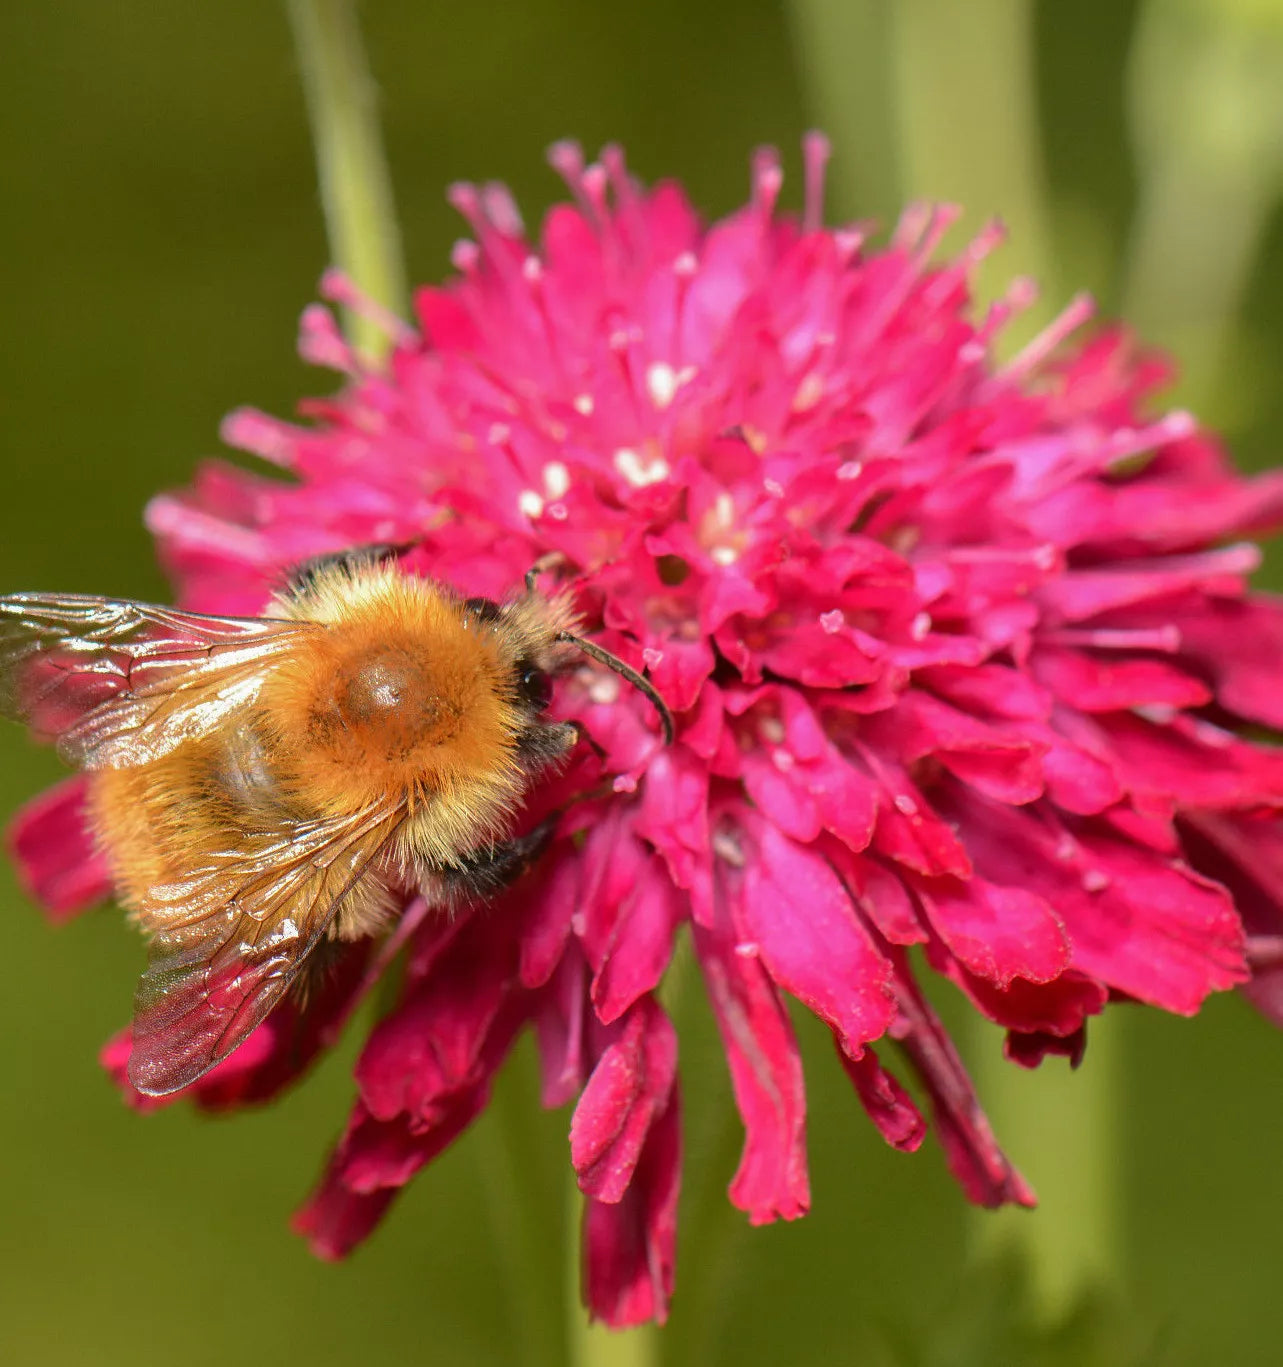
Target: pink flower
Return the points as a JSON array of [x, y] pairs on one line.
[[959, 651]]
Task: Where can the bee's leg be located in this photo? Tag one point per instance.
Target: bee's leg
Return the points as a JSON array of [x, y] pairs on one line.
[[549, 560], [544, 743], [485, 871], [582, 733], [301, 577], [319, 966]]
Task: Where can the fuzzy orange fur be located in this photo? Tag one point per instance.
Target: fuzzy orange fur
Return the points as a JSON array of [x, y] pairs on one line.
[[400, 701]]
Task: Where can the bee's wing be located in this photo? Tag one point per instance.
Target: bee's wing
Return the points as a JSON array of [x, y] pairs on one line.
[[114, 683], [229, 940]]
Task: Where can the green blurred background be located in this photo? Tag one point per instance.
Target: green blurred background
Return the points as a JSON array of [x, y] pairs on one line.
[[161, 234]]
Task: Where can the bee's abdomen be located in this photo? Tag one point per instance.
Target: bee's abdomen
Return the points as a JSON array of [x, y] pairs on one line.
[[159, 821]]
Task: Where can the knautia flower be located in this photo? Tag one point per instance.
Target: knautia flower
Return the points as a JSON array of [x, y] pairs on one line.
[[958, 650]]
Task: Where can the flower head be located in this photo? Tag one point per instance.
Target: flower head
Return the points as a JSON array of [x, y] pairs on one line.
[[959, 652]]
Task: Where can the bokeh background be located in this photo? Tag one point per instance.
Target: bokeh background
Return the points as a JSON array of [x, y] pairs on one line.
[[160, 233]]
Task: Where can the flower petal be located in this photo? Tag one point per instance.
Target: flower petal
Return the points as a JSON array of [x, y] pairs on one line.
[[627, 1090], [792, 906], [630, 1245], [984, 1171], [1138, 921], [998, 933], [889, 1106], [54, 854], [771, 1180]]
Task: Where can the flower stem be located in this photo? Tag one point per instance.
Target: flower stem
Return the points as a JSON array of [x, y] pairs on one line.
[[1205, 90], [356, 189], [514, 1178], [967, 114], [593, 1345], [840, 50], [1060, 1127]]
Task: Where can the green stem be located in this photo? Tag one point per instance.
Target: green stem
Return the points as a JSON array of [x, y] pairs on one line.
[[356, 190], [1060, 1126], [840, 49], [967, 115], [1205, 90], [593, 1345], [514, 1177]]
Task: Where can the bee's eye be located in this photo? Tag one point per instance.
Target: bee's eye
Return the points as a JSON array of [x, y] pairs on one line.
[[534, 685], [483, 609]]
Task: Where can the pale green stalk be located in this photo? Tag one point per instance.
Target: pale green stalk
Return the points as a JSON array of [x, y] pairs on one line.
[[1061, 1128], [840, 48], [356, 190], [966, 114], [935, 100], [512, 1178], [1205, 92]]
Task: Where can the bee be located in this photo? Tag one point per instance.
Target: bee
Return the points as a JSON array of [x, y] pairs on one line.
[[261, 786]]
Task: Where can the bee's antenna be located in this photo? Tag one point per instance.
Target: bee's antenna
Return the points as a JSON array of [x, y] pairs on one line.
[[638, 681]]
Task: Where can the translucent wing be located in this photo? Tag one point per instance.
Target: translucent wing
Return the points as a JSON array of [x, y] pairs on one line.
[[229, 940], [114, 683]]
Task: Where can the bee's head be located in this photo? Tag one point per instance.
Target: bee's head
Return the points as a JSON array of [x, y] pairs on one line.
[[543, 644]]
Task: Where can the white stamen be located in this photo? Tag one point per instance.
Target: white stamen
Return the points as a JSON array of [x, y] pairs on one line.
[[530, 503], [583, 404], [661, 381], [808, 393], [905, 805], [748, 949], [622, 338], [651, 657], [773, 487], [625, 783], [783, 760], [724, 555], [832, 622], [639, 473], [852, 469], [685, 265], [1211, 734], [558, 512], [1160, 713], [603, 689], [556, 479], [771, 730], [724, 509], [1094, 880], [727, 848], [532, 269], [920, 625]]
